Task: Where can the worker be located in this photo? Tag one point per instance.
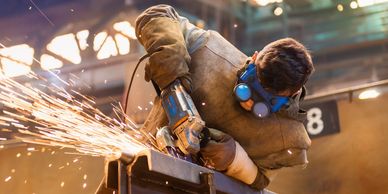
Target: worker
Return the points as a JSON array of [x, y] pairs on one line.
[[249, 142]]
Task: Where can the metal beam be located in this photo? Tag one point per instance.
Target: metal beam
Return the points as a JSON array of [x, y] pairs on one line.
[[154, 172], [348, 90]]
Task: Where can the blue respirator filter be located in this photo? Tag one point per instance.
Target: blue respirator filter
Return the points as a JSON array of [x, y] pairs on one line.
[[242, 92]]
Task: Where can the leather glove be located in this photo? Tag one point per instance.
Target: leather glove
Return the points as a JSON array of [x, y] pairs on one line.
[[223, 153], [219, 152], [163, 40]]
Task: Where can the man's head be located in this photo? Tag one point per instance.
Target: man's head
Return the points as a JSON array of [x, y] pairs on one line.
[[283, 66]]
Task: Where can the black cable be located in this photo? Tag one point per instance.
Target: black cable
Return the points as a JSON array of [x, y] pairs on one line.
[[157, 89], [132, 77]]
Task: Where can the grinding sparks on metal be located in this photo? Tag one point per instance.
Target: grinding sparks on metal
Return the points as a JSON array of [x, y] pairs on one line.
[[67, 119]]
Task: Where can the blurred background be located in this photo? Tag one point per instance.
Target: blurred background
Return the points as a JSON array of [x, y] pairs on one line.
[[93, 43]]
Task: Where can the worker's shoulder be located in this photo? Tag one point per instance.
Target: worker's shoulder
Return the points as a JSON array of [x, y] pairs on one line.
[[294, 134], [218, 45]]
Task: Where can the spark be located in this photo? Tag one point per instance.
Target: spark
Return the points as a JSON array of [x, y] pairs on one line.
[[1, 146], [31, 149], [75, 160], [6, 130], [5, 124], [84, 97], [72, 82], [29, 154], [85, 176], [18, 155], [7, 179], [62, 184], [13, 170], [50, 165], [41, 12], [84, 185], [66, 118]]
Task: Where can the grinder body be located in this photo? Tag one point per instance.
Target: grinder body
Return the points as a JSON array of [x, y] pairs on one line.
[[185, 124]]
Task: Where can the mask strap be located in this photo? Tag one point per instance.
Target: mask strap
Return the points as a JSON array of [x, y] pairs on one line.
[[242, 70], [300, 95], [303, 93], [294, 111]]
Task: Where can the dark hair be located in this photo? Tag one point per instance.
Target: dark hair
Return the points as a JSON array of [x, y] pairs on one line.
[[284, 65]]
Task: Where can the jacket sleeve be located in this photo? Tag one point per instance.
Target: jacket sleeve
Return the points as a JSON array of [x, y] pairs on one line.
[[159, 30], [271, 164]]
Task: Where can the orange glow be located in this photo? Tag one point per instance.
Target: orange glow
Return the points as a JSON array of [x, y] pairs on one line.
[[123, 44], [82, 37], [17, 60], [66, 47], [99, 40], [108, 49], [49, 62], [126, 28]]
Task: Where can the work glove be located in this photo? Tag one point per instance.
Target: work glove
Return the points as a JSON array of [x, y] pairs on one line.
[[219, 152], [223, 153], [163, 40]]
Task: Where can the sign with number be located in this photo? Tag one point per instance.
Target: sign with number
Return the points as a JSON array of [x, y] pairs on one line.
[[322, 119]]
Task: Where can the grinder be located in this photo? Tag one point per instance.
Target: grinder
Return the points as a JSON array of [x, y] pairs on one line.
[[185, 129]]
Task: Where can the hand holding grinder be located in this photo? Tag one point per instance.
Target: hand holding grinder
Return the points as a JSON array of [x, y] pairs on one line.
[[185, 123]]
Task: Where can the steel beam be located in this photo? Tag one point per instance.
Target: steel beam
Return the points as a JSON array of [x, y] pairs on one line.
[[154, 172]]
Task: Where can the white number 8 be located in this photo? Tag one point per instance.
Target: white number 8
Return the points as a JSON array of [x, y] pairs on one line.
[[314, 116]]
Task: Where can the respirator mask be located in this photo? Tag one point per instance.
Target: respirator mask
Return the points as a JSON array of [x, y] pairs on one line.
[[248, 87]]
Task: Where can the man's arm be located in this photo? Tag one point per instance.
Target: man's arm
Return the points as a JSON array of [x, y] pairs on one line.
[[286, 158], [164, 35], [270, 165], [225, 154]]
